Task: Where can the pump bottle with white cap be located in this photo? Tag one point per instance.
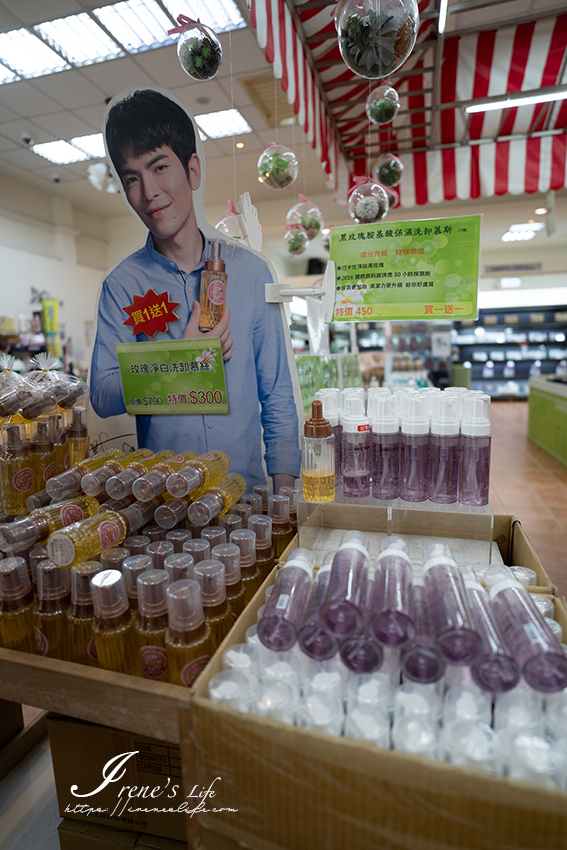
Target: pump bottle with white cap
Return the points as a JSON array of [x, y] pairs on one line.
[[385, 452], [315, 639], [414, 461], [356, 449], [495, 670], [422, 661], [285, 609], [392, 616], [474, 471], [444, 448], [343, 608]]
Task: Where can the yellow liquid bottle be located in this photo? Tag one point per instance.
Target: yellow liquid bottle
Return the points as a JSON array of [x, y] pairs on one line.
[[203, 471], [77, 436], [218, 500], [42, 450], [188, 638], [282, 534], [114, 627], [318, 457], [16, 472], [121, 485], [67, 483], [154, 482], [151, 624], [45, 521], [16, 606], [60, 443], [213, 288], [245, 540], [265, 559], [211, 576], [53, 600], [94, 483], [318, 486], [80, 615], [293, 495]]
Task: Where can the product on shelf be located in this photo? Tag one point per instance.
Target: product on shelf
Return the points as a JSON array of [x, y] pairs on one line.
[[279, 625], [188, 638], [318, 461], [69, 482], [16, 606], [94, 483], [151, 624], [114, 627]]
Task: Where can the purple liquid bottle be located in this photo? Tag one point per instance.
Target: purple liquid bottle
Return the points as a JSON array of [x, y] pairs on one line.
[[361, 652], [495, 669], [343, 607], [356, 449], [451, 618], [422, 661], [444, 449], [385, 452], [330, 397], [531, 641], [285, 609], [315, 639], [474, 469], [391, 600], [414, 458]]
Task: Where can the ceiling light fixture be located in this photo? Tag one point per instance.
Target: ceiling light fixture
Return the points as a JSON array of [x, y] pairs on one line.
[[80, 39], [92, 145], [228, 122], [515, 100], [28, 55], [61, 153], [522, 232], [137, 24], [240, 145], [221, 15], [442, 16], [540, 211], [510, 282]]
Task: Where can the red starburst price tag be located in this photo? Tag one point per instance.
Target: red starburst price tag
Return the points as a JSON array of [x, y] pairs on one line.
[[150, 313]]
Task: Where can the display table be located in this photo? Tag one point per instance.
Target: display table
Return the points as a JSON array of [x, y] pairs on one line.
[[547, 421]]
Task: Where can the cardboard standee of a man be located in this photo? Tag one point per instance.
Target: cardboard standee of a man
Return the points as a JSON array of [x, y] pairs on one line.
[[157, 155]]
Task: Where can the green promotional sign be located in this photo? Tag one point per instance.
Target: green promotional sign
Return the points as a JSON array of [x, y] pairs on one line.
[[173, 376], [425, 269]]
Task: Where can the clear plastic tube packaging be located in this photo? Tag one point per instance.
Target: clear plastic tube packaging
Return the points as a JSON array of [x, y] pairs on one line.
[[321, 712], [370, 724], [474, 470], [330, 398], [422, 661], [444, 448], [244, 659], [372, 691], [495, 670], [385, 451], [414, 445], [355, 450], [361, 652], [531, 641], [469, 743], [277, 700], [449, 609], [315, 639], [534, 759], [325, 677], [463, 703], [285, 609], [231, 688], [343, 607], [391, 599], [416, 734]]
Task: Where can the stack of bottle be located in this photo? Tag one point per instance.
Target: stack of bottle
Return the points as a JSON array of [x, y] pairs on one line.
[[422, 659], [410, 444]]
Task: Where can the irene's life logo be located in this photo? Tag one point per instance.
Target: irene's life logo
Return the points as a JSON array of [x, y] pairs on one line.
[[155, 797]]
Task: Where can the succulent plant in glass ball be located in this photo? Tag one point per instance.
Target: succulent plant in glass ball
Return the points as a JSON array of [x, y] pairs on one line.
[[296, 239], [377, 36], [388, 170], [199, 52], [382, 105], [368, 203], [308, 215], [278, 166]]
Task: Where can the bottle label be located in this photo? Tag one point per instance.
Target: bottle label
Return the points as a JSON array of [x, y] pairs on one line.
[[207, 456], [60, 550], [177, 459], [49, 471], [41, 642], [91, 650], [216, 292], [154, 661], [22, 480], [282, 602], [534, 636], [191, 670], [71, 513], [233, 617], [108, 534], [363, 427]]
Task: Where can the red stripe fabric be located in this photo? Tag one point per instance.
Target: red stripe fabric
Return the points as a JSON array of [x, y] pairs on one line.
[[520, 53], [483, 65], [552, 69], [475, 172], [558, 162], [420, 177], [448, 161], [449, 88], [297, 101], [531, 175], [270, 54], [283, 44], [501, 161], [253, 20]]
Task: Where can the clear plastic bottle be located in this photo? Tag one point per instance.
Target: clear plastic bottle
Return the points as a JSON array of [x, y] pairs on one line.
[[529, 638], [154, 482], [318, 458], [45, 521], [16, 470], [392, 617], [243, 511], [37, 554], [314, 638], [230, 522], [444, 447], [330, 397], [218, 500], [121, 484], [385, 452], [188, 638], [172, 512], [179, 565], [245, 539], [60, 443], [262, 527], [16, 606], [178, 537], [158, 551], [422, 661], [293, 495], [132, 568], [214, 535], [474, 469], [355, 449], [77, 436], [113, 559], [264, 492], [80, 615], [151, 624], [254, 500], [69, 482], [94, 483], [285, 609], [198, 475], [211, 578], [38, 500], [152, 529], [136, 544], [414, 445], [42, 450], [449, 609], [50, 612], [282, 534], [495, 669], [229, 555], [114, 633], [198, 548], [344, 604], [214, 281]]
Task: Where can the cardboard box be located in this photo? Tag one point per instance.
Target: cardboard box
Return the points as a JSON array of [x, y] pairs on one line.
[[81, 752], [296, 789], [11, 721], [74, 835]]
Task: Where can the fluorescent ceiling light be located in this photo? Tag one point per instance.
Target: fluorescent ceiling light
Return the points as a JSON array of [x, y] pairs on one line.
[[28, 55], [91, 145], [137, 24], [522, 232], [540, 211], [61, 153], [228, 122], [80, 39], [442, 16], [7, 76], [510, 282], [220, 15], [513, 102]]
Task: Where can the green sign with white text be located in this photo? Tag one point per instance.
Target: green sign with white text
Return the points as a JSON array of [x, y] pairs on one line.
[[425, 269], [173, 376]]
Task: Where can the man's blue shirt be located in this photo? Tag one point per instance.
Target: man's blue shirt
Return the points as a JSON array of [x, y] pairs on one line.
[[258, 380]]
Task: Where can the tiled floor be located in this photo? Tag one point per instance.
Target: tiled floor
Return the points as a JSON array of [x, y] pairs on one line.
[[532, 485]]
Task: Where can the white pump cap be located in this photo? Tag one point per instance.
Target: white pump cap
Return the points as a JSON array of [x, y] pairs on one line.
[[357, 392], [354, 419], [476, 416], [415, 415], [373, 394], [437, 554], [504, 585], [331, 400], [445, 414], [385, 419]]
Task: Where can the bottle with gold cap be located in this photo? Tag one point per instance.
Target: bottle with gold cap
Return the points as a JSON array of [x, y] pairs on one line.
[[64, 485], [318, 457], [229, 555], [80, 615], [77, 435], [16, 472], [188, 637], [210, 575], [16, 606], [218, 500], [262, 527], [245, 539], [120, 485], [198, 474], [282, 534], [154, 482], [45, 521], [94, 483], [52, 601], [151, 624], [114, 633], [42, 449]]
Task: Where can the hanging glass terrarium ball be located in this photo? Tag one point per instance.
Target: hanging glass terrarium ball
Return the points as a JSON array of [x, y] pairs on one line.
[[296, 239], [393, 198], [308, 215], [382, 105], [230, 226], [368, 203], [278, 166], [388, 170], [199, 51], [377, 36]]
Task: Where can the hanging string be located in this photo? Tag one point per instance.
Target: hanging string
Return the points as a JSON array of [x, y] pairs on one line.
[[276, 109], [232, 107], [368, 137]]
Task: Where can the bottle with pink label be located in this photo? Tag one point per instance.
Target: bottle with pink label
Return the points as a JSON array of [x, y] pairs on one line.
[[80, 616], [188, 638], [151, 624], [356, 449], [213, 288], [16, 473]]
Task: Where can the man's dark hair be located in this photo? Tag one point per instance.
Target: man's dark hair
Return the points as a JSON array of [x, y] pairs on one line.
[[147, 120]]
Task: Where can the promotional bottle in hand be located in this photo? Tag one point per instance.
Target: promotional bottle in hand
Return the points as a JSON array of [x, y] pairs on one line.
[[213, 288]]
